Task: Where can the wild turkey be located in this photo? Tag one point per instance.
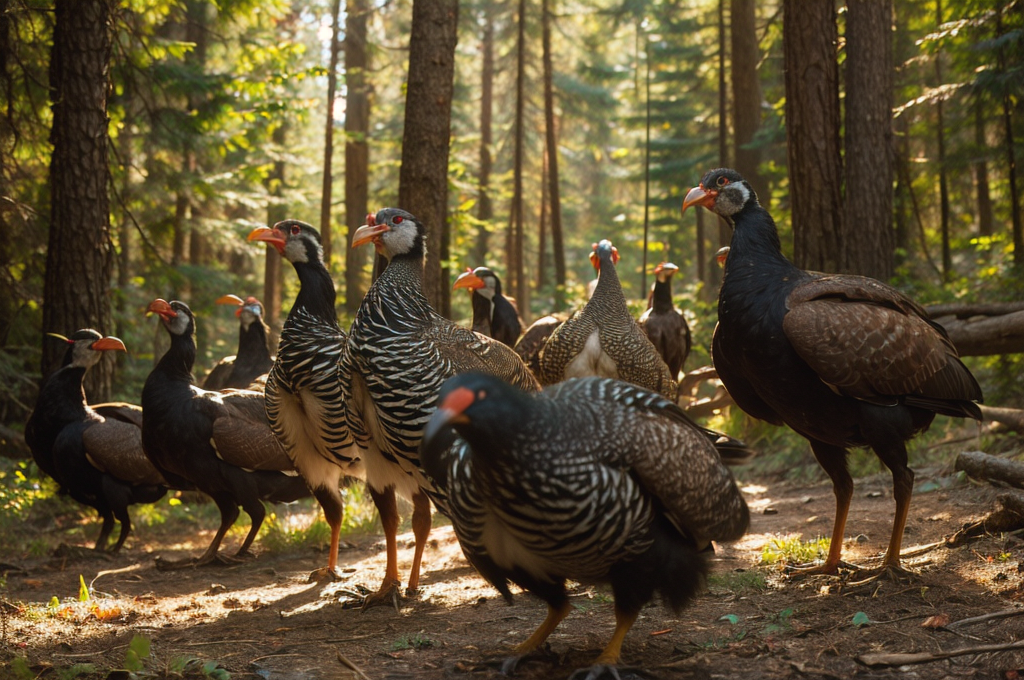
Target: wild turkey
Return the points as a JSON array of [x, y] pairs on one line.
[[531, 346], [400, 352], [218, 442], [664, 325], [843, 360], [304, 398], [94, 453], [253, 358], [603, 339], [493, 314], [634, 502]]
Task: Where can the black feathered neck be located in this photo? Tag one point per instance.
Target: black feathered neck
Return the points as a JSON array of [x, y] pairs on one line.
[[252, 341], [177, 363], [483, 312], [316, 292], [661, 296]]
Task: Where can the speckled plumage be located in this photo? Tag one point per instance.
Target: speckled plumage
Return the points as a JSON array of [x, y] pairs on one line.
[[594, 480], [604, 340]]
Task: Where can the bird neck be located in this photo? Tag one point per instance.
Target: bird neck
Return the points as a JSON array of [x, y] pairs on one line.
[[661, 296], [252, 341], [608, 285], [755, 250], [483, 311], [64, 390], [178, 361], [400, 286], [316, 292]]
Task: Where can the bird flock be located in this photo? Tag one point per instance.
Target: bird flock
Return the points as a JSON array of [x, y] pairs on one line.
[[558, 453]]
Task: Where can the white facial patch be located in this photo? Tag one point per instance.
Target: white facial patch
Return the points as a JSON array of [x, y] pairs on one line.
[[295, 250], [178, 324], [399, 239], [84, 355]]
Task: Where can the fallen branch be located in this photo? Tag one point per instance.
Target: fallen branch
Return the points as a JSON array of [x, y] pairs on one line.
[[703, 408], [965, 311], [991, 468], [1006, 613], [695, 377], [1012, 418], [1009, 517], [904, 659], [351, 666], [986, 335]]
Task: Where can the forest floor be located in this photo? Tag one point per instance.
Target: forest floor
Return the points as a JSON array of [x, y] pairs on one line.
[[263, 620]]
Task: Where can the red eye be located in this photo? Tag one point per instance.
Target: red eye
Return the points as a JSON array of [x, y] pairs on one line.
[[296, 229], [397, 219], [722, 181]]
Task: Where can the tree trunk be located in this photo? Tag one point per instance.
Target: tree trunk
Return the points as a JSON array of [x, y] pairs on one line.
[[986, 335], [515, 255], [79, 257], [6, 136], [357, 150], [276, 211], [1011, 159], [484, 207], [423, 179], [868, 227], [981, 172], [724, 232], [327, 191], [746, 94], [551, 140], [809, 39], [542, 228], [940, 134]]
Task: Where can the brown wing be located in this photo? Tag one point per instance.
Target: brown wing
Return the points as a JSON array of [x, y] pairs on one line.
[[115, 447], [531, 344], [241, 431], [460, 350], [126, 413], [219, 374], [869, 341]]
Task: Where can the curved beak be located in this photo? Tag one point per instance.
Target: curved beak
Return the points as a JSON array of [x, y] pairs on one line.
[[272, 236], [230, 299], [161, 307], [468, 279], [61, 337], [668, 269], [698, 196], [722, 255], [367, 233], [450, 412], [109, 343]]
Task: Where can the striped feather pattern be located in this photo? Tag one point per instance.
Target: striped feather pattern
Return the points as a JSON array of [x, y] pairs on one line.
[[530, 491]]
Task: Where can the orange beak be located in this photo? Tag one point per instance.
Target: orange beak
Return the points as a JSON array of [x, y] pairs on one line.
[[272, 236], [161, 307], [109, 343], [230, 299], [367, 233], [468, 279], [699, 196]]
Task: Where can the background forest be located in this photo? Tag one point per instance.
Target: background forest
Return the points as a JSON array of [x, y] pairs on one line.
[[570, 122]]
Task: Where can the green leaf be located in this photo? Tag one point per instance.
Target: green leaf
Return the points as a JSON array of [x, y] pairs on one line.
[[138, 649], [21, 670], [731, 618], [83, 590], [861, 619]]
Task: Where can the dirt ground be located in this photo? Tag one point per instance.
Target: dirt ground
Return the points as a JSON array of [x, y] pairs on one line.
[[263, 620]]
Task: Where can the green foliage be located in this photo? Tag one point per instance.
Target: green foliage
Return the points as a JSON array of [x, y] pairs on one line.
[[138, 652], [861, 619], [739, 581], [792, 550], [83, 590], [417, 642]]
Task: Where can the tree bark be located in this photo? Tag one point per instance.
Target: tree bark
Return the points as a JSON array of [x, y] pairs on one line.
[[809, 39], [986, 335], [868, 225], [746, 95], [515, 255], [940, 135], [423, 179], [1011, 158], [273, 270], [484, 206], [327, 190], [991, 468], [79, 257], [984, 197], [357, 149], [551, 140], [1012, 418], [542, 228], [724, 232], [966, 310]]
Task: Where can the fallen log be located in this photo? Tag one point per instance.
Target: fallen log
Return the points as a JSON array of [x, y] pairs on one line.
[[985, 335], [963, 310], [991, 468], [691, 380], [1009, 516], [1013, 418], [702, 408]]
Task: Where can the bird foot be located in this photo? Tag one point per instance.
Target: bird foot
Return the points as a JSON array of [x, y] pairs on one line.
[[605, 670], [77, 552], [171, 565], [891, 572], [387, 595], [326, 575], [245, 555], [510, 664], [218, 558]]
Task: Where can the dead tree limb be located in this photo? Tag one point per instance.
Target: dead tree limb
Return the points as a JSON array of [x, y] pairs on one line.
[[925, 657], [991, 468], [1013, 418], [986, 617], [985, 335], [965, 311]]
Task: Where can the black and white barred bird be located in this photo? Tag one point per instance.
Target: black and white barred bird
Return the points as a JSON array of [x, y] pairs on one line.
[[594, 480], [304, 397], [400, 353], [603, 339]]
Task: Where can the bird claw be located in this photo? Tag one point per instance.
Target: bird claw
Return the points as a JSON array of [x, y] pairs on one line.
[[798, 571], [892, 572], [388, 594], [325, 575], [599, 670]]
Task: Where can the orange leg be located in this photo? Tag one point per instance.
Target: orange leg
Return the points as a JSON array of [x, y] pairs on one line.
[[387, 508], [903, 490], [546, 628], [623, 622], [833, 460], [421, 530], [334, 509]]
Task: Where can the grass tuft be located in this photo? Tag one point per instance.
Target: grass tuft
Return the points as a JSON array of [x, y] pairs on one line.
[[791, 550]]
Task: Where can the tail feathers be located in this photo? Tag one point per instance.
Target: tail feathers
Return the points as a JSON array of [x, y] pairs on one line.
[[731, 450], [946, 407], [674, 566], [275, 487]]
